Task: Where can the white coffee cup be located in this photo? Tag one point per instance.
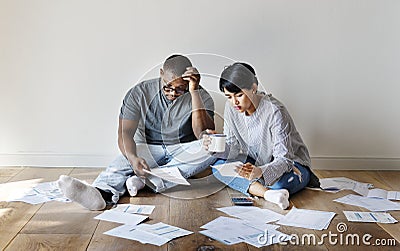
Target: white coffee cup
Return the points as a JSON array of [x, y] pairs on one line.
[[217, 143]]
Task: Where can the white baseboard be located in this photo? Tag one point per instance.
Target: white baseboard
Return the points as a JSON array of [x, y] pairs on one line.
[[93, 160], [56, 160], [355, 163]]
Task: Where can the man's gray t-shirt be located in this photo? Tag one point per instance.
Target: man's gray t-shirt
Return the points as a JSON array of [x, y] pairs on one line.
[[161, 121]]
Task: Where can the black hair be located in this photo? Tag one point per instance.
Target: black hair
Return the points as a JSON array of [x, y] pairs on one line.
[[176, 64], [238, 76]]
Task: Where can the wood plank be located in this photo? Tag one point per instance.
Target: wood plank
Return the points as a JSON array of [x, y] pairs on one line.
[[101, 241], [199, 188], [17, 214], [50, 242], [86, 174], [13, 217], [66, 226], [10, 171], [44, 174], [52, 218], [6, 173], [191, 214]]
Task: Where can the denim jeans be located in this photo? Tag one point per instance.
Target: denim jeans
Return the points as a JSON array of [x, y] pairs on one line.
[[190, 158], [289, 181]]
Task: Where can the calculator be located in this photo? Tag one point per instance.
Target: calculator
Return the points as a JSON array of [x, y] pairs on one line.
[[242, 201]]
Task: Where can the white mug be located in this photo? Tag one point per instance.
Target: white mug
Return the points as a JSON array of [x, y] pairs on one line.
[[217, 143]]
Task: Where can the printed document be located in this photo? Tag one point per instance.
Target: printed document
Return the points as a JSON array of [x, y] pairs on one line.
[[136, 234], [369, 217], [304, 218], [157, 234], [383, 194], [342, 183], [171, 174], [251, 213], [372, 204], [121, 217], [231, 231], [32, 192], [134, 209], [228, 169]]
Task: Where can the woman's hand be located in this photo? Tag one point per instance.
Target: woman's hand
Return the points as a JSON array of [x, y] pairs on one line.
[[249, 171], [206, 138]]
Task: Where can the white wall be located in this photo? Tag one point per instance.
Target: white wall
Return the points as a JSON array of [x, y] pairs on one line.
[[66, 65]]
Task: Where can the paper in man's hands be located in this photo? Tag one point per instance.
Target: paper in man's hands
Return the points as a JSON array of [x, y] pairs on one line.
[[171, 174]]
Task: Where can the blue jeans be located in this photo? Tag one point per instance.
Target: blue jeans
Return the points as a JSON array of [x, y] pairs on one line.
[[289, 181], [190, 158]]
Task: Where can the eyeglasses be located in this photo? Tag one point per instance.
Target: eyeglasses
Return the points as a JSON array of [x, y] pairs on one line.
[[178, 90]]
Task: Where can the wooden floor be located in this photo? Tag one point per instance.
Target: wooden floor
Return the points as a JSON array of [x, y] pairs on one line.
[[68, 226]]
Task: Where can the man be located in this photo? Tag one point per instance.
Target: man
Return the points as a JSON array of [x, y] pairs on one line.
[[159, 124]]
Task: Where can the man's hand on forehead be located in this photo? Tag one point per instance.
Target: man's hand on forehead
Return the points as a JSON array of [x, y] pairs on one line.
[[193, 76]]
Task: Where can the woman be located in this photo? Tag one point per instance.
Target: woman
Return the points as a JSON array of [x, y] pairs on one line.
[[260, 128]]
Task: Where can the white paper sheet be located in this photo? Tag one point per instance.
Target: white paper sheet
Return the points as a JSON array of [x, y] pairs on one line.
[[121, 217], [221, 221], [231, 231], [134, 209], [166, 231], [251, 213], [156, 234], [383, 194], [228, 169], [342, 183], [304, 218], [234, 210], [369, 217], [32, 193], [133, 233], [372, 204], [32, 199], [171, 174], [231, 234], [224, 236]]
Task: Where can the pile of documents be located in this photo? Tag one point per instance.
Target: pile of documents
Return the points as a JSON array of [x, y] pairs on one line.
[[312, 219], [375, 200], [32, 192], [232, 231], [250, 225], [342, 183], [155, 234], [131, 216], [372, 204]]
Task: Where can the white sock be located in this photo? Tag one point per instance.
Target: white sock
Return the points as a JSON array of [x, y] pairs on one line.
[[81, 193], [134, 184], [279, 197]]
